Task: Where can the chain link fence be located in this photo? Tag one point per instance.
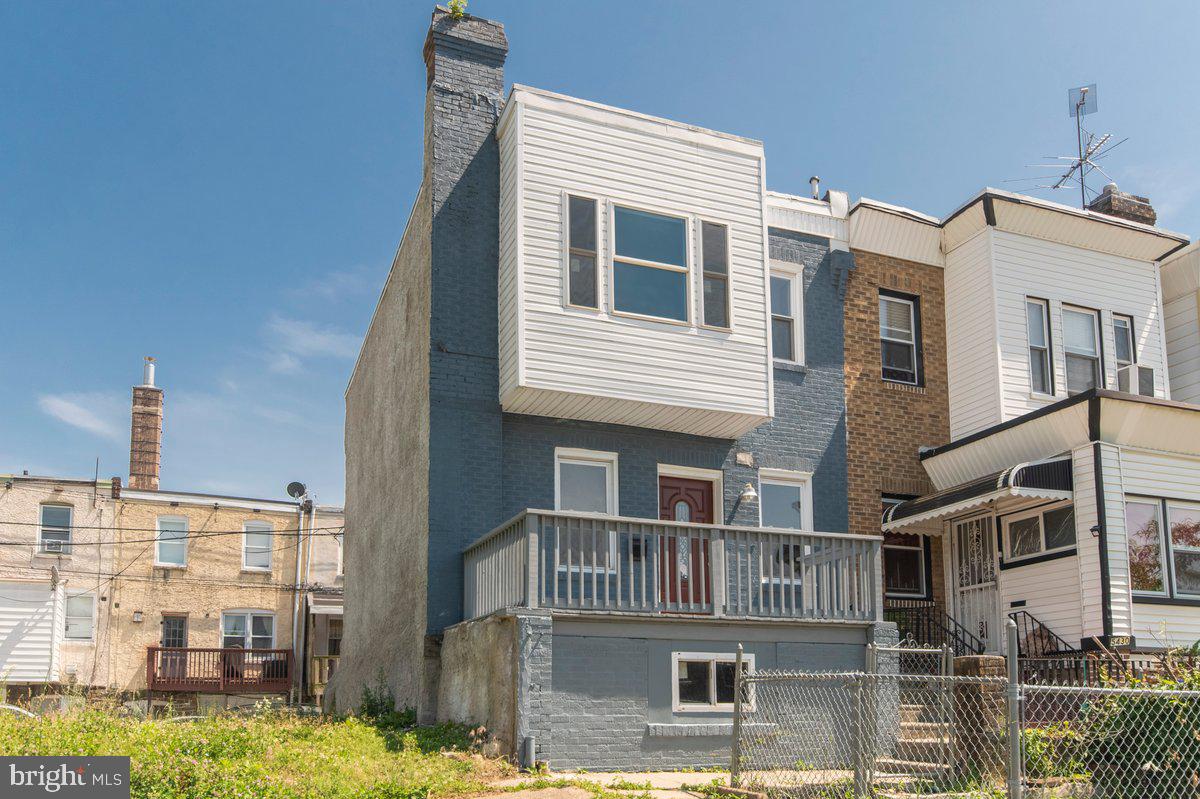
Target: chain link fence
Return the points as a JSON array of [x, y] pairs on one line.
[[904, 728]]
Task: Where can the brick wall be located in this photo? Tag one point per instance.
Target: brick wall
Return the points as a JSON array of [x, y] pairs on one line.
[[888, 423]]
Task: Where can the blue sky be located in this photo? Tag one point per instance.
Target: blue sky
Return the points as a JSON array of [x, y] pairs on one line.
[[223, 184]]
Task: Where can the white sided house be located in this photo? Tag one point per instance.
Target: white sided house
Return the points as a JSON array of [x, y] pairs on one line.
[[1069, 496]]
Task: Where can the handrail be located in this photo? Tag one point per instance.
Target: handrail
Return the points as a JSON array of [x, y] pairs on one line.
[[1029, 625], [570, 514], [962, 640]]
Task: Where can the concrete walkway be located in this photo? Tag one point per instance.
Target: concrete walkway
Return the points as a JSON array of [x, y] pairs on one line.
[[658, 784]]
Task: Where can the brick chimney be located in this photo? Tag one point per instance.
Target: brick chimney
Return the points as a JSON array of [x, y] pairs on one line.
[[145, 439], [1114, 202]]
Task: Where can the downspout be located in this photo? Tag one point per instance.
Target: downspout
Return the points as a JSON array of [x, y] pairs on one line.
[[296, 594]]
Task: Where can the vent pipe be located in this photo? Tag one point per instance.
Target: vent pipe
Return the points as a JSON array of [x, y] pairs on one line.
[[815, 182]]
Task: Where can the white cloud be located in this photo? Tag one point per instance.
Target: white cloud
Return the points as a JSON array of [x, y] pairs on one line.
[[284, 363], [301, 337], [94, 413], [338, 285]]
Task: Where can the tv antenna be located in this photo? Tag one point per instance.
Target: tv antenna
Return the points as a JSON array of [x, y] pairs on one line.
[[1081, 101]]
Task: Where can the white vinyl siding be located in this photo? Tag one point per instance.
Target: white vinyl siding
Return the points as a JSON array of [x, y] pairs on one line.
[[1070, 276], [971, 337], [1086, 517], [1051, 591], [1183, 346], [29, 628], [597, 365]]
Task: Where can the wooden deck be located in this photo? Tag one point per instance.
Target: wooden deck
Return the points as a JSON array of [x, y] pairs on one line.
[[219, 671]]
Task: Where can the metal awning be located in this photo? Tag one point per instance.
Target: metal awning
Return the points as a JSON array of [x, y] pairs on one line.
[[1043, 480]]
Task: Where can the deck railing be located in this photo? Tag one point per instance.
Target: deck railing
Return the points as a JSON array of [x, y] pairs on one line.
[[594, 562], [219, 671]]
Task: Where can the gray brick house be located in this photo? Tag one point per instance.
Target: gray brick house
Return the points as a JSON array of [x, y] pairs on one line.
[[595, 427]]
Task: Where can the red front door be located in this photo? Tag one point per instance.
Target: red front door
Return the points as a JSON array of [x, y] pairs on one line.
[[684, 574]]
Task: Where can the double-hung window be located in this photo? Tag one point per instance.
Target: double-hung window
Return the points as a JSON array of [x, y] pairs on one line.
[[904, 574], [1039, 532], [1130, 377], [714, 252], [899, 337], [55, 534], [787, 312], [80, 617], [1184, 522], [247, 629], [1143, 528], [704, 682], [582, 276], [1081, 344], [171, 546], [785, 501], [586, 482], [1041, 371], [257, 540], [650, 264]]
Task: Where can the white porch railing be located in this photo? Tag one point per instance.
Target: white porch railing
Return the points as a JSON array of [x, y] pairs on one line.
[[593, 562]]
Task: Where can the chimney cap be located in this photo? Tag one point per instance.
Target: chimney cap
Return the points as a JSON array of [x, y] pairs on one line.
[[148, 371]]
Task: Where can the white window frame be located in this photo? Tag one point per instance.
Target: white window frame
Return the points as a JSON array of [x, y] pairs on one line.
[[788, 477], [248, 638], [688, 260], [1172, 548], [1038, 513], [912, 328], [1048, 349], [728, 277], [1099, 356], [712, 658], [187, 530], [590, 457], [1127, 319], [257, 526], [923, 592], [794, 274], [1164, 549], [64, 547], [91, 636], [566, 249]]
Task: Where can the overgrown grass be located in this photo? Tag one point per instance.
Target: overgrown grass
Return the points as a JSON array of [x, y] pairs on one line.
[[274, 756]]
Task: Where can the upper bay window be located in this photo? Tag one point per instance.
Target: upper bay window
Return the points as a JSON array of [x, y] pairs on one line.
[[714, 247], [1081, 343], [650, 264], [1037, 320], [900, 337], [56, 529], [582, 275]]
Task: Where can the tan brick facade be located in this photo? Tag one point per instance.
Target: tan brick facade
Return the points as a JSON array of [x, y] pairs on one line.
[[887, 423]]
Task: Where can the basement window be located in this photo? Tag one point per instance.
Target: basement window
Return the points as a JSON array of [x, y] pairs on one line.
[[702, 682], [650, 265]]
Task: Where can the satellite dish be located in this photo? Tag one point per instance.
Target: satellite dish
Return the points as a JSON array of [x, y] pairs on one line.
[[296, 490]]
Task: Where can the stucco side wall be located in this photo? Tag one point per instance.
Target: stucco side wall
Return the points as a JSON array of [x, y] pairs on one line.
[[387, 484], [477, 684]]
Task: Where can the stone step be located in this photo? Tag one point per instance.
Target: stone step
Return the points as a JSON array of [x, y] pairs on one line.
[[916, 768], [924, 729], [925, 750]]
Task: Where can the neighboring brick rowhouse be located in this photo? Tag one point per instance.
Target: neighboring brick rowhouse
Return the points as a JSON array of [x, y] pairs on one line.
[[887, 422], [1124, 205]]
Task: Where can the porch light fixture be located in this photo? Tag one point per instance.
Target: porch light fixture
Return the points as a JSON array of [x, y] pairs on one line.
[[748, 493]]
